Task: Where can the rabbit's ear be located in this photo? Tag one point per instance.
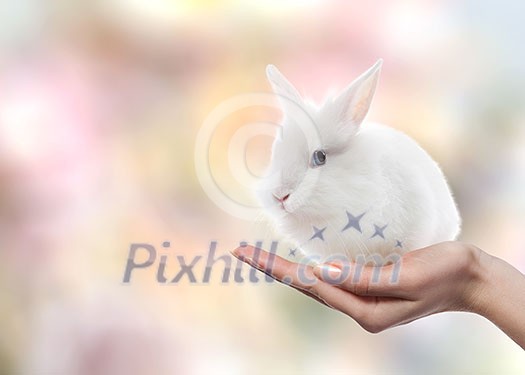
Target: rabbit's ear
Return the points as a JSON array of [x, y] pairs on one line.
[[287, 94], [353, 104]]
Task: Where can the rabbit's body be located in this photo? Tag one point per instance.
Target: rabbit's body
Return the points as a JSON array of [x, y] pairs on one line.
[[376, 193], [401, 187]]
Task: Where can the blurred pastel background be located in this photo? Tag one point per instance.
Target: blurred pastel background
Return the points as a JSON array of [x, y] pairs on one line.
[[100, 106]]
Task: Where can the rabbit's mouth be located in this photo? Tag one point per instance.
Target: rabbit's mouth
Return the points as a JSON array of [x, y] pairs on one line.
[[282, 208], [282, 201], [284, 205]]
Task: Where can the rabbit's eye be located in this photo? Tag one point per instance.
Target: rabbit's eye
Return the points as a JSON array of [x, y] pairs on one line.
[[318, 158]]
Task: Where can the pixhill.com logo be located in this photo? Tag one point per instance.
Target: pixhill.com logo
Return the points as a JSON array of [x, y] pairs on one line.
[[172, 269]]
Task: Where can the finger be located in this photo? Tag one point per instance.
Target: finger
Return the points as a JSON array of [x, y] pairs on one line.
[[278, 268], [298, 276], [392, 280], [312, 296], [294, 274]]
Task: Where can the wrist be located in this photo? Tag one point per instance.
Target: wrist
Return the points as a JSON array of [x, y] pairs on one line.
[[479, 273], [494, 289]]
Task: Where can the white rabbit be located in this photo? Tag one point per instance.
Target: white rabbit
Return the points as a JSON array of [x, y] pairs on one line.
[[338, 186]]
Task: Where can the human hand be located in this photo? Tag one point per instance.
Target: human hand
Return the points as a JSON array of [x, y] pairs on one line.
[[441, 277]]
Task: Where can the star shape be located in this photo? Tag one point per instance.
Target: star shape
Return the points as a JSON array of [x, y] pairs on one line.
[[379, 231], [318, 233], [291, 252], [353, 222], [399, 243]]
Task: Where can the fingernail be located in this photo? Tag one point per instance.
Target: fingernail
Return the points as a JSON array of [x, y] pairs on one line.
[[324, 271], [237, 253]]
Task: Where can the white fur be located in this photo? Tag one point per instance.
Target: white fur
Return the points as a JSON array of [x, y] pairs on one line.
[[369, 168]]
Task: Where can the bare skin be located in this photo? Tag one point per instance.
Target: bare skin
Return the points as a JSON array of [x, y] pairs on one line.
[[449, 276]]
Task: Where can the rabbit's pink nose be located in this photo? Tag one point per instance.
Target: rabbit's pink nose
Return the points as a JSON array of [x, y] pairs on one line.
[[281, 199]]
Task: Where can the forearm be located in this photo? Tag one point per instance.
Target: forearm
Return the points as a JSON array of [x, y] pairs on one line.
[[500, 296]]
